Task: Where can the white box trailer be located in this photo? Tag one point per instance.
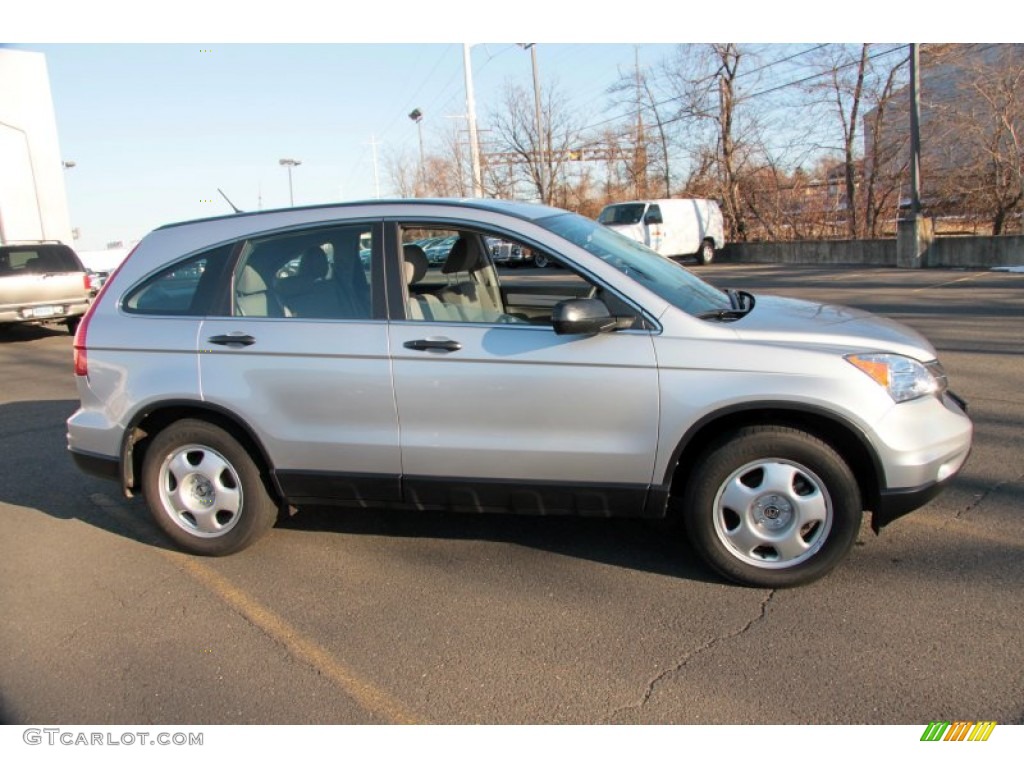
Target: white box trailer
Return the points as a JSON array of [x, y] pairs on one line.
[[674, 228]]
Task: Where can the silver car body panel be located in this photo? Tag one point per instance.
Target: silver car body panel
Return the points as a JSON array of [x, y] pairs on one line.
[[515, 403]]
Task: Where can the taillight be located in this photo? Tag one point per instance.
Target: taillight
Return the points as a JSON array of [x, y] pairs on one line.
[[81, 356], [81, 351]]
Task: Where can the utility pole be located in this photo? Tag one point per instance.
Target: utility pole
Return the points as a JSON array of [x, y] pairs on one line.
[[542, 181], [640, 148], [474, 139], [915, 132], [914, 235]]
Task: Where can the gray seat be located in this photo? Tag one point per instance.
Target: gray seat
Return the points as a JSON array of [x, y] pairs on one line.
[[344, 295], [253, 298], [423, 305], [472, 291]]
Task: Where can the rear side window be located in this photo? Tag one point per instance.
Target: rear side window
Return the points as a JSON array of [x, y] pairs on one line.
[[39, 260], [323, 274], [190, 287]]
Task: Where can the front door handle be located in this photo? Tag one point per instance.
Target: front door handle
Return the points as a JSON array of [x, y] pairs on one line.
[[233, 340], [441, 345]]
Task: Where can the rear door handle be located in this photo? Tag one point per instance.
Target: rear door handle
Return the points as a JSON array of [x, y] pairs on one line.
[[233, 340], [441, 345]]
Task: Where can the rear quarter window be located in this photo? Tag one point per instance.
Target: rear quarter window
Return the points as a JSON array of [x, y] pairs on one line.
[[190, 287]]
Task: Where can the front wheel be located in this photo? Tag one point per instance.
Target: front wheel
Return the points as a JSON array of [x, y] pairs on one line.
[[541, 261], [772, 506], [204, 489]]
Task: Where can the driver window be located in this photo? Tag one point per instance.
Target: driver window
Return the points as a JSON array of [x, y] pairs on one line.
[[450, 277], [463, 276]]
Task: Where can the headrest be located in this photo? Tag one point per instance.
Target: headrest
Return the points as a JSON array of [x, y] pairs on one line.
[[415, 256], [249, 282], [313, 264], [464, 256]]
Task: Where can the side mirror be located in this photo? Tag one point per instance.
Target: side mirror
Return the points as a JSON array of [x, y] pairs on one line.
[[582, 317], [653, 217]]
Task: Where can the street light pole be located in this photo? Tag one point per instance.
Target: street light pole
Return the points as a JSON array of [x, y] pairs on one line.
[[474, 139], [289, 163], [417, 117]]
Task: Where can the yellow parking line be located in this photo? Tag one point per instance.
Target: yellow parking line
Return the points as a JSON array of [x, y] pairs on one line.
[[368, 696], [949, 282]]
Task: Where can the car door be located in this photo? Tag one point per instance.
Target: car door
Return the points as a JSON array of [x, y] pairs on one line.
[[507, 415], [305, 357]]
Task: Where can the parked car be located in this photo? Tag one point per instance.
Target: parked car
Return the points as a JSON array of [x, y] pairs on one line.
[[438, 248], [508, 254], [626, 387], [674, 228], [43, 281]]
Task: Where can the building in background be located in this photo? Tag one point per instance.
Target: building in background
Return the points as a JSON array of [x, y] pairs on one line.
[[972, 137], [33, 198]]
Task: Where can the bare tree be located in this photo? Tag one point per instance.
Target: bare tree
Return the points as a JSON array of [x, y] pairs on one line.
[[721, 132], [883, 167], [651, 161], [978, 127], [539, 160], [403, 173]]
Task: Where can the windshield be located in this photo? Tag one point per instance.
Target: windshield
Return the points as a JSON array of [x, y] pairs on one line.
[[628, 213], [667, 279]]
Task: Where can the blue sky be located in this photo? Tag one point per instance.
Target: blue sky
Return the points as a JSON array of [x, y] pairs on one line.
[[156, 129], [156, 125]]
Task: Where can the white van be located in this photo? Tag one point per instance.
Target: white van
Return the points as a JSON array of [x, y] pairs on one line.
[[673, 228]]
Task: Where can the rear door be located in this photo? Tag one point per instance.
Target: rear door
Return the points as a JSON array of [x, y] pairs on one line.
[[303, 353]]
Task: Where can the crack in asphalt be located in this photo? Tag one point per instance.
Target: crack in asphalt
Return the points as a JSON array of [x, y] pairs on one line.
[[979, 499], [710, 644]]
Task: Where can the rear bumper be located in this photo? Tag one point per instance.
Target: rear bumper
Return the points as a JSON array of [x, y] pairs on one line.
[[107, 467], [62, 310]]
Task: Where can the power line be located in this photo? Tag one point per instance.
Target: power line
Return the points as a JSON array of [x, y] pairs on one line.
[[757, 94]]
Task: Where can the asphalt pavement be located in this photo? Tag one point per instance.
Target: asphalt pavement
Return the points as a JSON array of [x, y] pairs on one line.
[[342, 616]]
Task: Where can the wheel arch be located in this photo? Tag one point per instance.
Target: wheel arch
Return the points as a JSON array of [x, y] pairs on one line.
[[150, 421], [839, 433]]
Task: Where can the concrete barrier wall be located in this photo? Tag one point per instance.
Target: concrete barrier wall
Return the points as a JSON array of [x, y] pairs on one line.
[[1005, 251], [944, 252]]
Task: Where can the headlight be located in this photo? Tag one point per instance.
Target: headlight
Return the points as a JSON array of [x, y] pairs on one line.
[[903, 377]]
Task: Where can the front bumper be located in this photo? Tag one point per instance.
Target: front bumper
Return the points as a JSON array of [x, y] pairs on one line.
[[929, 468]]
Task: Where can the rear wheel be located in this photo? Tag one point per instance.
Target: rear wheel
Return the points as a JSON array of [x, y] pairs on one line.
[[772, 506], [541, 261], [204, 489], [706, 254]]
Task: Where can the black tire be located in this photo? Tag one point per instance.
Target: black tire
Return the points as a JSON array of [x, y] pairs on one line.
[[204, 490], [541, 261], [772, 506], [72, 324], [706, 253]]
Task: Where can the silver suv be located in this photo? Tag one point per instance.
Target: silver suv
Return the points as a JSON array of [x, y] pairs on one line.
[[43, 281], [238, 366]]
